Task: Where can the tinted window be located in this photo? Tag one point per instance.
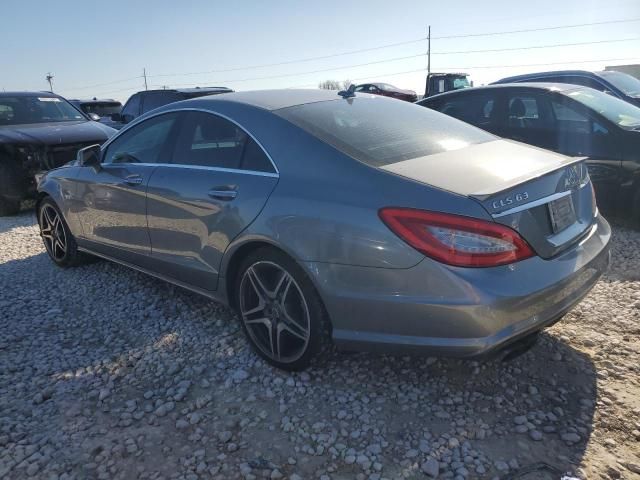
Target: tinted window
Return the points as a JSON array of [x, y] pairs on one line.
[[471, 108], [103, 109], [132, 107], [523, 106], [210, 141], [570, 120], [254, 158], [146, 142], [379, 131], [155, 100]]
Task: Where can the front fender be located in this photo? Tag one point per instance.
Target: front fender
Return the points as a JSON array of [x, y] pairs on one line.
[[61, 186]]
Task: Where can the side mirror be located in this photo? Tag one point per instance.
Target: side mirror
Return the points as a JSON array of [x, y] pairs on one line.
[[94, 116], [117, 117], [89, 157]]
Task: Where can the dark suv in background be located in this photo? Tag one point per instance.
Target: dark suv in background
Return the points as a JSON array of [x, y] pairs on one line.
[[618, 84], [147, 100], [99, 110]]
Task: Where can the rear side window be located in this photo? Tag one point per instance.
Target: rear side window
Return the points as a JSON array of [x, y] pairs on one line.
[[380, 131], [208, 140]]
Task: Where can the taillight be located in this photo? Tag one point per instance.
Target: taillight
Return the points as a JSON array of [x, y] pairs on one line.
[[457, 240]]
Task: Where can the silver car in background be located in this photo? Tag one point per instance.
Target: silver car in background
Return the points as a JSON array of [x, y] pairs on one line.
[[364, 221]]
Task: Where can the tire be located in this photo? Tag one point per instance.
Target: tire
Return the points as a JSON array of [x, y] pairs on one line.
[[8, 207], [57, 238], [280, 311]]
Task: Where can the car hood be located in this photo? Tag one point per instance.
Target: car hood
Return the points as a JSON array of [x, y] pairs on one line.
[[56, 133], [482, 169]]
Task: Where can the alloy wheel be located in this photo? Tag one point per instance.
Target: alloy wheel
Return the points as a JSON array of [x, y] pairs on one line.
[[275, 312], [53, 233]]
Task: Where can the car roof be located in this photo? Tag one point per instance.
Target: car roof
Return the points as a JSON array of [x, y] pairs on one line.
[[28, 94], [190, 90], [94, 100], [548, 86], [553, 73], [276, 99]]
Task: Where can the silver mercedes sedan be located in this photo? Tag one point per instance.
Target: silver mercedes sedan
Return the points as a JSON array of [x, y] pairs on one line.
[[337, 218]]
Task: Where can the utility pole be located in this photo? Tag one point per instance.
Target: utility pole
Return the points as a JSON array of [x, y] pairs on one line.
[[429, 50], [144, 74], [49, 78]]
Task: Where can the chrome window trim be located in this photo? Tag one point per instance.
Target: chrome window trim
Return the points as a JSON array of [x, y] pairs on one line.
[[535, 203], [140, 119], [197, 167]]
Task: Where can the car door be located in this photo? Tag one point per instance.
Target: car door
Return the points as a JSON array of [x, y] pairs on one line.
[[112, 198], [581, 133], [528, 118], [218, 181]]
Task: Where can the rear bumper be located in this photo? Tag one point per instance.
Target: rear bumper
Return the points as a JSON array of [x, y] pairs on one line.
[[436, 309]]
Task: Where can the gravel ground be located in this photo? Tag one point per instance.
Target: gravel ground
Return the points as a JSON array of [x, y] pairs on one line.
[[107, 373]]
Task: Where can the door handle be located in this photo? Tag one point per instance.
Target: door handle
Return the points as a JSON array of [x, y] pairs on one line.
[[133, 179], [222, 193]]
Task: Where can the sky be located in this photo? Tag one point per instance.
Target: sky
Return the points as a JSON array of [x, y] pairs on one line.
[[101, 48]]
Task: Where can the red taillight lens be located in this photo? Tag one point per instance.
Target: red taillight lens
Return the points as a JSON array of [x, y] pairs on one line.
[[457, 240]]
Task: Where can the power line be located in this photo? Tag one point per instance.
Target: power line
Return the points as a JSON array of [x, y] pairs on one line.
[[85, 87], [297, 74], [421, 70], [362, 50], [288, 62], [553, 45], [541, 29]]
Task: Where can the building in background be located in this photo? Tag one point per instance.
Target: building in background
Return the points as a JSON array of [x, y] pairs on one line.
[[633, 70]]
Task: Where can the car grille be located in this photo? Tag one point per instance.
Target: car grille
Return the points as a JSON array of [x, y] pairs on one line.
[[61, 154]]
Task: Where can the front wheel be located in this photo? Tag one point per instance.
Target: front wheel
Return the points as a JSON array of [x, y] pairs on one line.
[[281, 313], [57, 238]]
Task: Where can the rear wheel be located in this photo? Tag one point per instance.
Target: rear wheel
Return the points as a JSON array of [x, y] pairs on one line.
[[57, 238], [281, 313]]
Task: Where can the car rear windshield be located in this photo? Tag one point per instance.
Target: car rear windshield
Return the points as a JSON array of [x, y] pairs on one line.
[[26, 109], [380, 131], [103, 109]]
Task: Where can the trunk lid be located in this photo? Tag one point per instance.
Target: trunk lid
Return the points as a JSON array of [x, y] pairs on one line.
[[544, 196]]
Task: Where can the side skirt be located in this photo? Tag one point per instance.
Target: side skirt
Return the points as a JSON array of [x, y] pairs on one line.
[[216, 296]]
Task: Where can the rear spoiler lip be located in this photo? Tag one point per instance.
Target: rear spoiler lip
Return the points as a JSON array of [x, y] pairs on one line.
[[483, 196]]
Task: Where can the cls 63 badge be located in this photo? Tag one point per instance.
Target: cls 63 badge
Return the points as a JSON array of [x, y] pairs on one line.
[[510, 200]]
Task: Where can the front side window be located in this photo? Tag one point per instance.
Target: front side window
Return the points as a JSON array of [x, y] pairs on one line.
[[208, 140], [146, 142], [378, 131], [21, 110]]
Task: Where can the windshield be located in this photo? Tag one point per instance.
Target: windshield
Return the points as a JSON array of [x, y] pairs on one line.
[[26, 109], [614, 109], [462, 82], [379, 131], [101, 109], [628, 84]]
